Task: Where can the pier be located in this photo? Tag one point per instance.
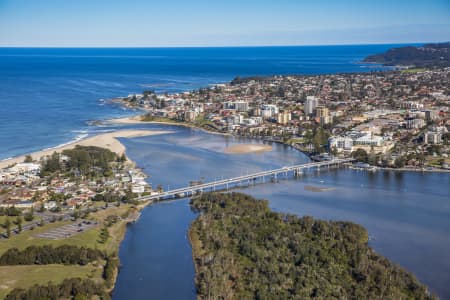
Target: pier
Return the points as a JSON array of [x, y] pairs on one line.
[[260, 177]]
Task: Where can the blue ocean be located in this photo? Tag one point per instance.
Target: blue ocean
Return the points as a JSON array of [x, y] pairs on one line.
[[48, 96]]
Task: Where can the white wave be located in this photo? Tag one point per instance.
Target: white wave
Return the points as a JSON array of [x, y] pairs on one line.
[[103, 131], [76, 139], [80, 131]]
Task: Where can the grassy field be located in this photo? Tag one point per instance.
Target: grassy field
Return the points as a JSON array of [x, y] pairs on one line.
[[12, 220], [27, 238], [298, 140], [26, 276], [436, 161], [87, 238], [413, 70]]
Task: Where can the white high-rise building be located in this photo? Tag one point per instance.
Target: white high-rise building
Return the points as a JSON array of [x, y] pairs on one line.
[[269, 111], [310, 104], [241, 106]]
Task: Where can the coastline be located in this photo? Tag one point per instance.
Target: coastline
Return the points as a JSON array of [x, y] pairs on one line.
[[435, 170], [137, 119], [106, 140]]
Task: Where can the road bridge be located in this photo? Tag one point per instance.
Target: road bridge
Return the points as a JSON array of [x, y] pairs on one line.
[[262, 176]]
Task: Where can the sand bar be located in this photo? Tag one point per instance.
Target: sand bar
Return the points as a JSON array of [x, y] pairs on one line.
[[318, 189], [248, 148], [105, 140]]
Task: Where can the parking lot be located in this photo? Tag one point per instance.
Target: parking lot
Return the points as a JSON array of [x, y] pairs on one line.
[[67, 231]]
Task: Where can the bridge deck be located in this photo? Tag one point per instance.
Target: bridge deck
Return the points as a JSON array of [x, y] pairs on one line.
[[253, 176]]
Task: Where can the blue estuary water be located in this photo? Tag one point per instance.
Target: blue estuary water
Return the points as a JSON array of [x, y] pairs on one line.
[[47, 96], [407, 214]]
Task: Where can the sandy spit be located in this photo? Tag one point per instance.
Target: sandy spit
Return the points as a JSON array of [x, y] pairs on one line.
[[106, 140]]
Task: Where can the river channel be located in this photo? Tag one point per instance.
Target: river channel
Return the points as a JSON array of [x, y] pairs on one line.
[[407, 214]]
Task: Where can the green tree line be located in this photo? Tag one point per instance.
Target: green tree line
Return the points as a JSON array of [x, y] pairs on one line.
[[44, 255], [74, 288]]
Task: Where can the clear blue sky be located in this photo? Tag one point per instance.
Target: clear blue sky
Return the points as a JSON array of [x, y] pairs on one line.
[[132, 23]]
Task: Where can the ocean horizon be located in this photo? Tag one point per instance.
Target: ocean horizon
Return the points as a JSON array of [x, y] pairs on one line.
[[49, 96]]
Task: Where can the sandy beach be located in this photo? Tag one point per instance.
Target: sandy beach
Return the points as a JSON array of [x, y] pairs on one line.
[[248, 148], [126, 120], [106, 140]]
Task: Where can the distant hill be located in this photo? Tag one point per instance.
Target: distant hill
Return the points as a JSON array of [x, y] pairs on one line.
[[428, 55]]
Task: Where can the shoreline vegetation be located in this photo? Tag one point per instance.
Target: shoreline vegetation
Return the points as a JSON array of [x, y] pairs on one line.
[[243, 250]]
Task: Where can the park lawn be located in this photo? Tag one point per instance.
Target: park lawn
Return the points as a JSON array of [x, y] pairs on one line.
[[97, 204], [436, 161], [26, 276], [27, 238], [413, 70], [296, 140], [88, 238], [112, 209], [3, 219], [12, 219], [116, 231]]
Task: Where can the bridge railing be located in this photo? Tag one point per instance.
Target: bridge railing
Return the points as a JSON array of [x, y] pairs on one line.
[[244, 177]]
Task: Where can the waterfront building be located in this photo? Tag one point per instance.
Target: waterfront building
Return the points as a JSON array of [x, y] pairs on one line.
[[190, 115], [340, 143], [360, 140]]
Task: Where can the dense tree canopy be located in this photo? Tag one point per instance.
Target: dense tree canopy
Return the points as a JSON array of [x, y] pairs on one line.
[[360, 155], [44, 255], [74, 288], [83, 160], [243, 250]]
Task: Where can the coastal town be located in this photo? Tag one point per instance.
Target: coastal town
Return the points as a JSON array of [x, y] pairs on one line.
[[224, 150], [391, 119], [88, 191]]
